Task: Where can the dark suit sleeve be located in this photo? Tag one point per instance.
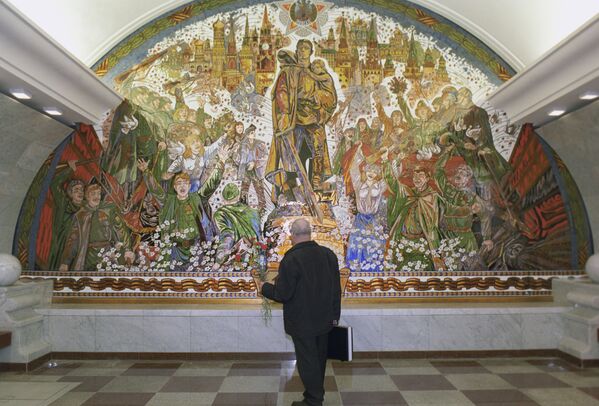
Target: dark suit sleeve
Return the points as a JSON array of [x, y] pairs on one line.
[[336, 285], [284, 288]]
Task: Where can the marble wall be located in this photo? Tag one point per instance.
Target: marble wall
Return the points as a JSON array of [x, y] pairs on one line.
[[574, 138], [242, 329], [26, 139]]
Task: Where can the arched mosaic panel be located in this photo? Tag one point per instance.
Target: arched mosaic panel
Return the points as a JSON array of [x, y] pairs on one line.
[[365, 118]]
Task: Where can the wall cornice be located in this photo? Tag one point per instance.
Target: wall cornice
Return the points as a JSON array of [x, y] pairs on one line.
[[33, 61], [556, 80]]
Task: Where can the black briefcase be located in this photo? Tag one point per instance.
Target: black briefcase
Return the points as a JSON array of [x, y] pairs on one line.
[[341, 344]]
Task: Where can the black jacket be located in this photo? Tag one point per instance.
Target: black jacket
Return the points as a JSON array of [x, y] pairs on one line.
[[309, 288]]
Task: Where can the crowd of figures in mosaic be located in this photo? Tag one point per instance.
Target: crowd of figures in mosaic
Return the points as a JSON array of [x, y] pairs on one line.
[[241, 121]]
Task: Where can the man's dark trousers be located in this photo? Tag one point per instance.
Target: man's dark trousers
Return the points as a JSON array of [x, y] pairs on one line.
[[311, 354]]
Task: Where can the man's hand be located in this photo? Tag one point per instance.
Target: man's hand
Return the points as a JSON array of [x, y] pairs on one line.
[[129, 257], [161, 146], [459, 124], [223, 153], [335, 322], [259, 284], [473, 132], [63, 268], [142, 164], [487, 245], [385, 154], [251, 166], [484, 151], [72, 164]]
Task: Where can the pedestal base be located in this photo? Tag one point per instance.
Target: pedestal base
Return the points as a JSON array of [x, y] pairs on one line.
[[581, 322], [17, 315]]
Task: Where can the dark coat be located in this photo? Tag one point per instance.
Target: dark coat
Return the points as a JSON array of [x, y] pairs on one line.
[[309, 288]]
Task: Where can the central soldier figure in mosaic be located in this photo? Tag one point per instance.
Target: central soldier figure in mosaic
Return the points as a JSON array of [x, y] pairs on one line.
[[304, 99]]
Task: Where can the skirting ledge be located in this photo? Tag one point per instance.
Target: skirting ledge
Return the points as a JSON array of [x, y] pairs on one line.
[[286, 356]]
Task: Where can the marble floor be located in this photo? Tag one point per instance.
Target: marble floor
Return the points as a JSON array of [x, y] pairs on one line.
[[365, 382]]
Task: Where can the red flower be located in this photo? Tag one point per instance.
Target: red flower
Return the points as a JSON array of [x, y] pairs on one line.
[[237, 257]]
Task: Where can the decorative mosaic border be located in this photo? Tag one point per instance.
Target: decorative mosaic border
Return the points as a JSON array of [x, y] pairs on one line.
[[421, 16], [240, 285]]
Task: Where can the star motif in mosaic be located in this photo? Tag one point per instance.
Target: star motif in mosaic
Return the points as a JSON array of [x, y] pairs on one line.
[[303, 17]]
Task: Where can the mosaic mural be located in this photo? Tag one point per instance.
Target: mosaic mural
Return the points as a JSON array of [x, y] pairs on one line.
[[365, 119]]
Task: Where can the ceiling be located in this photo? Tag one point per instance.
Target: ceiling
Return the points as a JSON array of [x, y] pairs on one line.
[[520, 31]]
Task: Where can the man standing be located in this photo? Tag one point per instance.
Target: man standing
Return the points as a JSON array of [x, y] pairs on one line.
[[309, 288]]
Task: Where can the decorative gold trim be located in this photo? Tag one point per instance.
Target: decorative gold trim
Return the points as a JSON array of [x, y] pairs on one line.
[[240, 288], [438, 284], [257, 302]]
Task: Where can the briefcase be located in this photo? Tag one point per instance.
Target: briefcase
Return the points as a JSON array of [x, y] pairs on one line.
[[341, 343]]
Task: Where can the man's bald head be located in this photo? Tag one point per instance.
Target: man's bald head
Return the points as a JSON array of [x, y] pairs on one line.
[[300, 231]]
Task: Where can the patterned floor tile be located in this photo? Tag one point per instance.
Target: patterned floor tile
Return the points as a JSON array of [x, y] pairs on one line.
[[152, 369], [94, 371], [255, 369], [33, 392], [422, 382], [294, 384], [588, 372], [364, 383], [441, 397], [404, 363], [240, 399], [146, 384], [182, 399], [201, 372], [497, 396], [424, 370], [23, 377], [358, 368], [560, 397], [53, 368], [553, 365], [72, 399], [594, 392], [533, 380], [372, 398], [88, 383], [118, 399], [459, 367], [477, 381], [193, 384], [248, 384], [576, 380]]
